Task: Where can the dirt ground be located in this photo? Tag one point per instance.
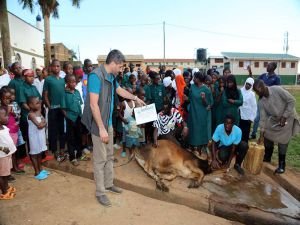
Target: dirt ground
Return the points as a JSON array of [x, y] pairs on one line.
[[65, 199]]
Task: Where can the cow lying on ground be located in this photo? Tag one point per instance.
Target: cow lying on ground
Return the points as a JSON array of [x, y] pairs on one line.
[[168, 161]]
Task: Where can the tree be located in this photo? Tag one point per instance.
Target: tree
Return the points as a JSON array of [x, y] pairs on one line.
[[48, 8], [72, 54], [5, 35]]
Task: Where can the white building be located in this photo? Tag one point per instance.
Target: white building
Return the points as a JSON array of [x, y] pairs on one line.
[[287, 65], [26, 42]]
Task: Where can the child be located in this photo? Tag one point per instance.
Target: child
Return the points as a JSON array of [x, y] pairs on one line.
[[7, 148], [16, 111], [12, 125], [141, 95], [37, 137], [72, 111], [132, 83], [54, 90], [126, 111], [27, 90], [133, 133]]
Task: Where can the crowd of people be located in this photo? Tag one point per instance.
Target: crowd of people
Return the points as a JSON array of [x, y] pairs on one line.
[[90, 108]]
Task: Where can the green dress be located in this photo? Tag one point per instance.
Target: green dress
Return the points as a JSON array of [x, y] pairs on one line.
[[232, 109], [218, 114], [199, 119]]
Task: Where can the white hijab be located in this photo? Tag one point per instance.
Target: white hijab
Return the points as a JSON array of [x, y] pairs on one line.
[[249, 108]]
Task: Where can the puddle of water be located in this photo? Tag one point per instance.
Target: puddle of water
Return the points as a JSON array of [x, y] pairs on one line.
[[254, 192]]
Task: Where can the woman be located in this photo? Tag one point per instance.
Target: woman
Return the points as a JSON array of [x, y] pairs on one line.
[[248, 109], [217, 110], [232, 99], [201, 100]]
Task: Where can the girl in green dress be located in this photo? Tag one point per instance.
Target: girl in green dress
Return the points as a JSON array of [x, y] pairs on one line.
[[201, 101], [232, 99]]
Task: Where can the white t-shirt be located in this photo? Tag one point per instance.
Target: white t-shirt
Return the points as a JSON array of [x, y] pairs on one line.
[[79, 88], [4, 80], [6, 141], [39, 85]]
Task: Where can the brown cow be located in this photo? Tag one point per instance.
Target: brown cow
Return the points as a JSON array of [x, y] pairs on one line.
[[168, 161]]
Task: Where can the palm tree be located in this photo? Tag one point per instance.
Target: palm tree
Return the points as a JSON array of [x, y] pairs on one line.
[[5, 35], [48, 8]]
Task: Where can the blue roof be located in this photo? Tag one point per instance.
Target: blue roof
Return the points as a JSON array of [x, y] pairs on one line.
[[240, 55]]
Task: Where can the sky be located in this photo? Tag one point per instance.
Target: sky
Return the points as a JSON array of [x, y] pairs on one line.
[[136, 26]]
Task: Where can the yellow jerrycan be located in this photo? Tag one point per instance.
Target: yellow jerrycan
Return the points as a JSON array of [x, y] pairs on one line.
[[253, 161]]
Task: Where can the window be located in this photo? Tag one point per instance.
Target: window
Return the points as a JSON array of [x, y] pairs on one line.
[[283, 64], [33, 64], [293, 65], [256, 64], [145, 63], [265, 64], [137, 65], [18, 58], [188, 64], [180, 63], [241, 64], [218, 60]]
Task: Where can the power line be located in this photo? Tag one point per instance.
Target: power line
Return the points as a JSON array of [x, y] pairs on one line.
[[107, 25], [169, 24]]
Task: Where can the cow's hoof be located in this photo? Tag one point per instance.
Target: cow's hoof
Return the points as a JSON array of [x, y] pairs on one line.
[[161, 186]]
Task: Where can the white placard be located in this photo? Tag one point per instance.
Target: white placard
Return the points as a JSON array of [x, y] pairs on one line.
[[145, 114]]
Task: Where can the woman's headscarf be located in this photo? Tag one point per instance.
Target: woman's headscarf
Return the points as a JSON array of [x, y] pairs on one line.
[[232, 93], [244, 91], [180, 84]]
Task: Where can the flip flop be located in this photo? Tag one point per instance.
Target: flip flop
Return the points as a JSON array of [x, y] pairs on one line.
[[11, 189], [7, 196], [45, 172], [41, 176]]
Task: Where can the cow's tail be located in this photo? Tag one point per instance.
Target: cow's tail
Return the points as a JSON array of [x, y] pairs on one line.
[[139, 158]]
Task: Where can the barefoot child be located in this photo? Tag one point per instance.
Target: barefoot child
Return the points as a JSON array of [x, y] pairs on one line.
[[37, 137], [7, 148]]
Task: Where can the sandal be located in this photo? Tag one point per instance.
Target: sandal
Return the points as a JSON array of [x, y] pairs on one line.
[[11, 189], [7, 196]]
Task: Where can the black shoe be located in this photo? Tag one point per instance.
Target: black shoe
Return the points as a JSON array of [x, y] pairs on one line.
[[103, 200], [239, 169], [281, 164], [114, 190], [253, 136]]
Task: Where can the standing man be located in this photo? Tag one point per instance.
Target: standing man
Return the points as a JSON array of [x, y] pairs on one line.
[[97, 117], [270, 79], [278, 120]]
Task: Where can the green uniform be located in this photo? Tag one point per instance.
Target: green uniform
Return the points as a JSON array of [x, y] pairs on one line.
[[56, 90], [16, 84], [156, 96], [199, 119], [232, 109], [72, 104], [26, 91], [218, 112]]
